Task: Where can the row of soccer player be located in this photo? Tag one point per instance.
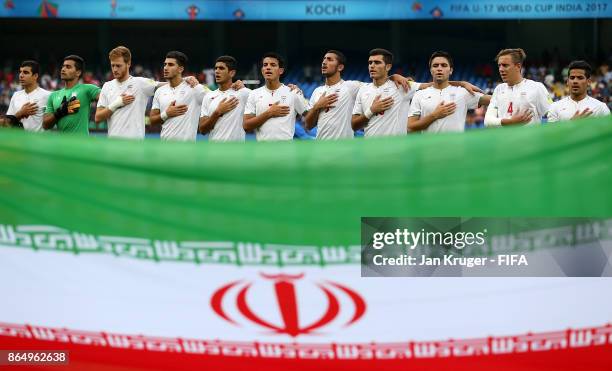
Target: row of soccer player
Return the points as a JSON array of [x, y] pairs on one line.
[[389, 105]]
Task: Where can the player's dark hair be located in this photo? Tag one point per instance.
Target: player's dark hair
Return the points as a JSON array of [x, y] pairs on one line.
[[387, 55], [181, 58], [580, 65], [229, 61], [34, 66], [443, 54], [278, 57], [339, 55], [79, 63]]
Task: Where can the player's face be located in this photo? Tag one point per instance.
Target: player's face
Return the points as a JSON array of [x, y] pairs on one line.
[[26, 78], [330, 65], [69, 71], [377, 67], [222, 73], [119, 67], [171, 68], [577, 81], [440, 69], [508, 70], [270, 69]]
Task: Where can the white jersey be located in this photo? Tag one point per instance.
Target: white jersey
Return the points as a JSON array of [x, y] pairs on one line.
[[229, 126], [276, 128], [127, 121], [566, 108], [388, 122], [508, 100], [183, 127], [405, 109], [38, 96], [335, 123], [427, 100]]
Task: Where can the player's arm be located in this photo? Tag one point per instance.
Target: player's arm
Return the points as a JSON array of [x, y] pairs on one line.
[[553, 115], [14, 116], [252, 122], [103, 113], [155, 117], [418, 122], [360, 120], [207, 123], [484, 100], [324, 102], [492, 117], [472, 89], [67, 107]]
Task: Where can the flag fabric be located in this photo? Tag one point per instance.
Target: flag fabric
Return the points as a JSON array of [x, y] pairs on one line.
[[156, 255]]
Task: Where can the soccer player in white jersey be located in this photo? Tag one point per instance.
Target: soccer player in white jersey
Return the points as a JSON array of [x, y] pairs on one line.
[[578, 104], [271, 109], [379, 104], [27, 105], [331, 105], [176, 105], [123, 100], [222, 110], [517, 100], [442, 107]]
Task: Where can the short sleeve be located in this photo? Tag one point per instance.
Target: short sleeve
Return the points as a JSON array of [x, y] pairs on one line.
[[553, 113], [543, 100], [92, 91], [602, 110], [103, 100], [472, 100], [49, 107], [11, 108], [251, 106], [200, 92], [205, 107], [156, 104], [299, 104], [314, 98], [244, 94], [358, 107], [147, 86], [415, 106]]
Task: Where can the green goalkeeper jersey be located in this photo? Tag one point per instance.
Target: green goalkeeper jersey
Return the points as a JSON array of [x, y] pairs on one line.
[[77, 122]]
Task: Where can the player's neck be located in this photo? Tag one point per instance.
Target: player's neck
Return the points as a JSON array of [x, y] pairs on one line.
[[226, 85], [578, 98], [441, 85], [273, 85], [30, 88], [515, 82], [175, 81], [71, 83], [381, 81], [124, 78], [333, 79]]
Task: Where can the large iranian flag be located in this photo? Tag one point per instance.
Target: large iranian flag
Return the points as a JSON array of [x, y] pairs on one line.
[[152, 255]]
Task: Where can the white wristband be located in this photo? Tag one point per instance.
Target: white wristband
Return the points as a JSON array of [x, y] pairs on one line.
[[164, 116], [368, 114], [117, 103]]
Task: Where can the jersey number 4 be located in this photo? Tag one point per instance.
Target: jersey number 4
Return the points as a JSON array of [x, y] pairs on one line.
[[510, 108]]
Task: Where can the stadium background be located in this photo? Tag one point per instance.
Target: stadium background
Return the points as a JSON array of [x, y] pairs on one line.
[[549, 43]]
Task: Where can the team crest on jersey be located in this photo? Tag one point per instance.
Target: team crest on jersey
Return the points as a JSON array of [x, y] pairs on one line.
[[453, 96]]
